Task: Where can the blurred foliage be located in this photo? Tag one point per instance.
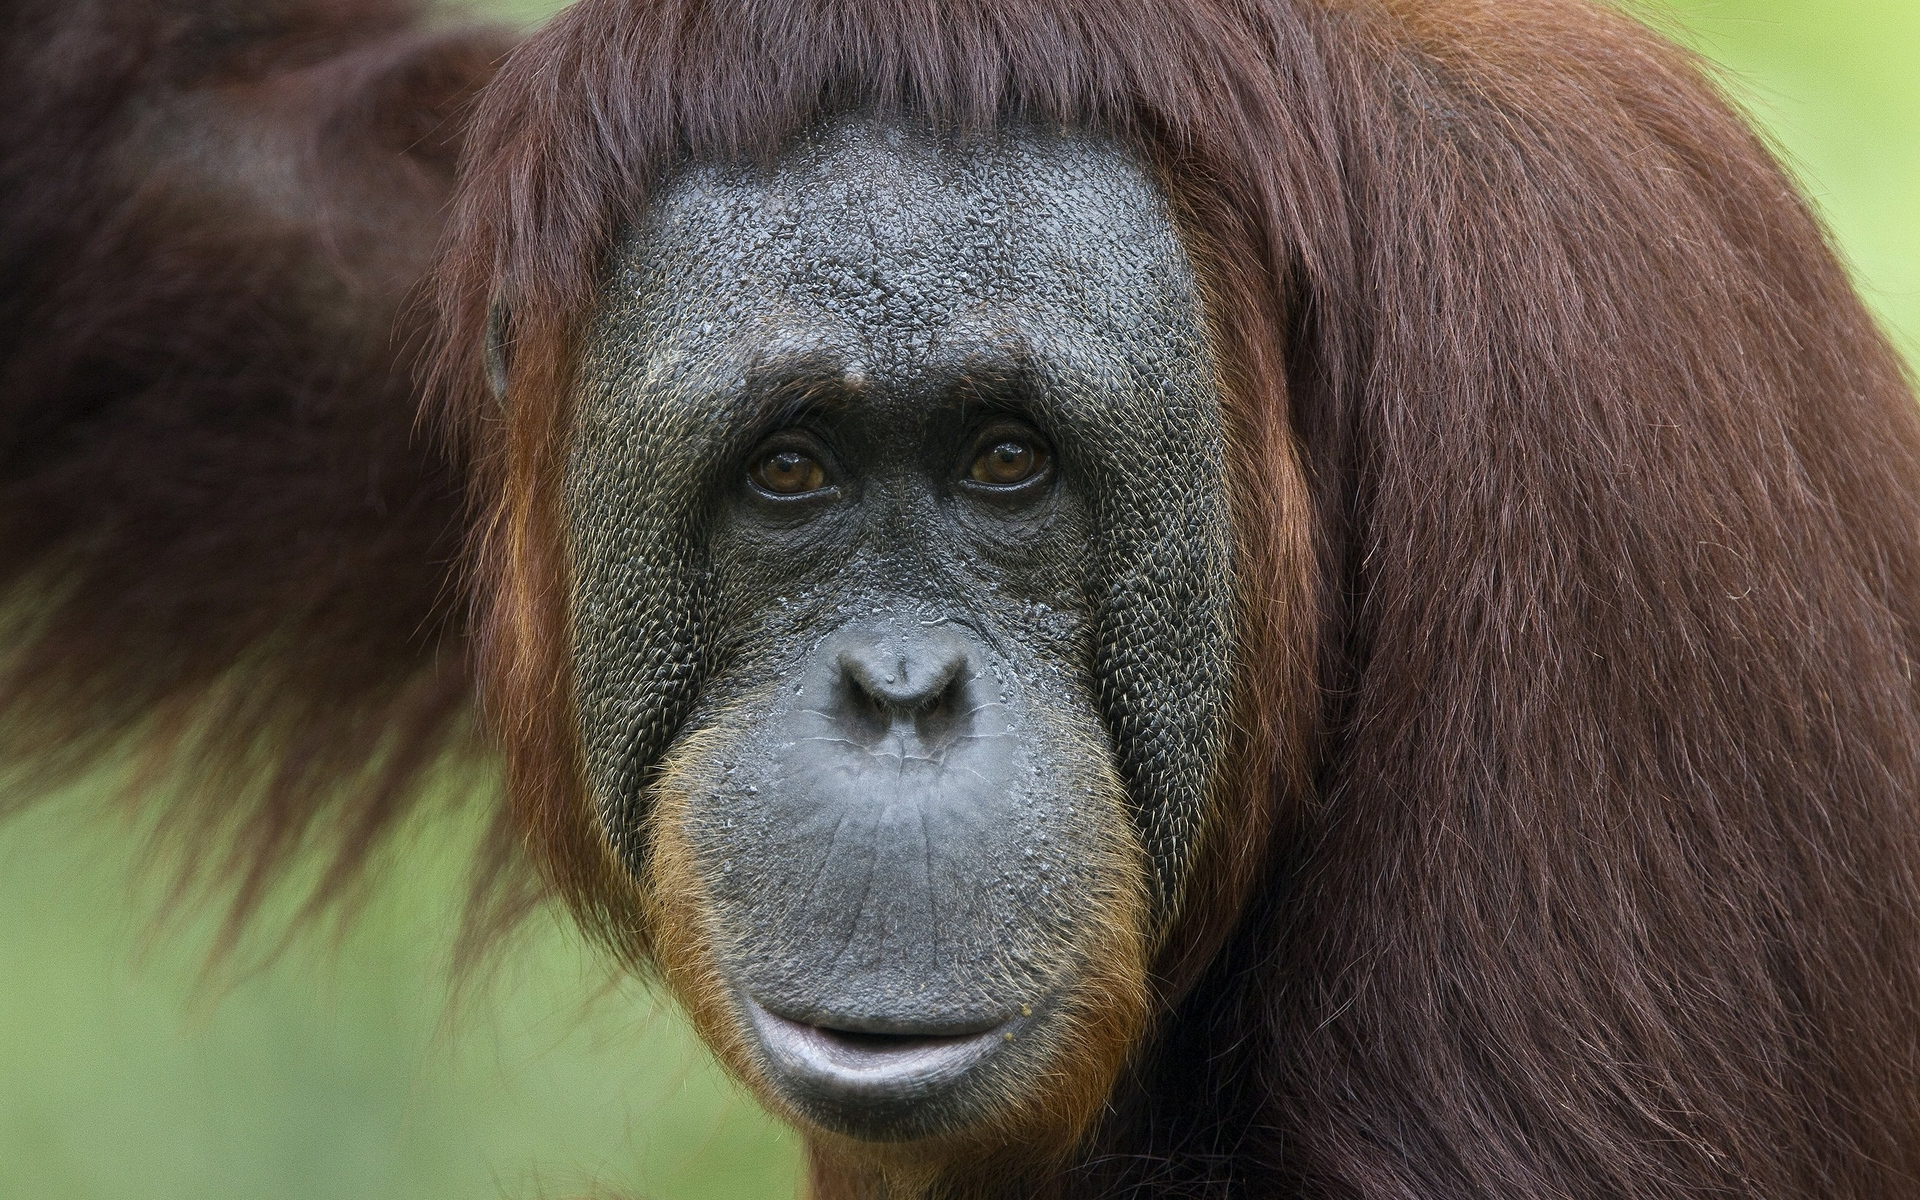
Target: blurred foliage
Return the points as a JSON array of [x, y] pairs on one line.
[[345, 1069]]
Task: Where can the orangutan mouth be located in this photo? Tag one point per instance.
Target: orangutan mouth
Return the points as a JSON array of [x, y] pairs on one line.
[[875, 1070]]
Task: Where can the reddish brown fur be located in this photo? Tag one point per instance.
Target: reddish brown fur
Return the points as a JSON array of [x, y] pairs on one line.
[[211, 221], [1570, 847], [1604, 883]]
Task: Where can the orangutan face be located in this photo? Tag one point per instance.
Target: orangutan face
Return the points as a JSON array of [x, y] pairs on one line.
[[902, 613]]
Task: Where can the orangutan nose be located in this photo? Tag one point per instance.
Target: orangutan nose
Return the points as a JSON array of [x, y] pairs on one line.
[[912, 684]]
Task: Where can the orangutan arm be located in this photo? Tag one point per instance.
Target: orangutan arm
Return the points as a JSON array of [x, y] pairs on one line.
[[223, 544]]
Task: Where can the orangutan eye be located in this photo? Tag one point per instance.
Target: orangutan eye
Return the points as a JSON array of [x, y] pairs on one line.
[[787, 471], [1009, 460]]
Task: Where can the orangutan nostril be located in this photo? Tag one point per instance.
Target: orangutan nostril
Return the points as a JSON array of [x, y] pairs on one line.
[[865, 717], [940, 720]]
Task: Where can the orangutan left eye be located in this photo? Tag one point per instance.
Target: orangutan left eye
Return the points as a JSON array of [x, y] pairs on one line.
[[1009, 461]]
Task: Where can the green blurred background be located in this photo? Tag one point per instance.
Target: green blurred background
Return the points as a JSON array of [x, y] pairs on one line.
[[341, 1070]]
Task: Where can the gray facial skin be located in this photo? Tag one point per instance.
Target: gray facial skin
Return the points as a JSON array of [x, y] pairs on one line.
[[924, 730]]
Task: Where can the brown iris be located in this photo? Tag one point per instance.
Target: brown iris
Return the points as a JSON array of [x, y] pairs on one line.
[[786, 471], [1008, 461]]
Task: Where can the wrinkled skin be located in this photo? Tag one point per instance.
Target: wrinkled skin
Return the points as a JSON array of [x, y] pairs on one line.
[[903, 611]]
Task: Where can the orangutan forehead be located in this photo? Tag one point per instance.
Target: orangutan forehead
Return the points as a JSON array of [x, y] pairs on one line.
[[892, 249]]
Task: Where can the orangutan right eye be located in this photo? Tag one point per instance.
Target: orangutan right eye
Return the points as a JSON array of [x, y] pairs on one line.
[[787, 471]]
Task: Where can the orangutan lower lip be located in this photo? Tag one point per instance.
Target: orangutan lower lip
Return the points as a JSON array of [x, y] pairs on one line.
[[879, 1066]]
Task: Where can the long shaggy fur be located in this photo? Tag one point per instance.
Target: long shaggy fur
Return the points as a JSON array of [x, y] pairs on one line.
[[223, 547], [1605, 880], [1573, 845]]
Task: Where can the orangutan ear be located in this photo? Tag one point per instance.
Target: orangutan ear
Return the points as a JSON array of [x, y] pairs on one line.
[[499, 337]]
